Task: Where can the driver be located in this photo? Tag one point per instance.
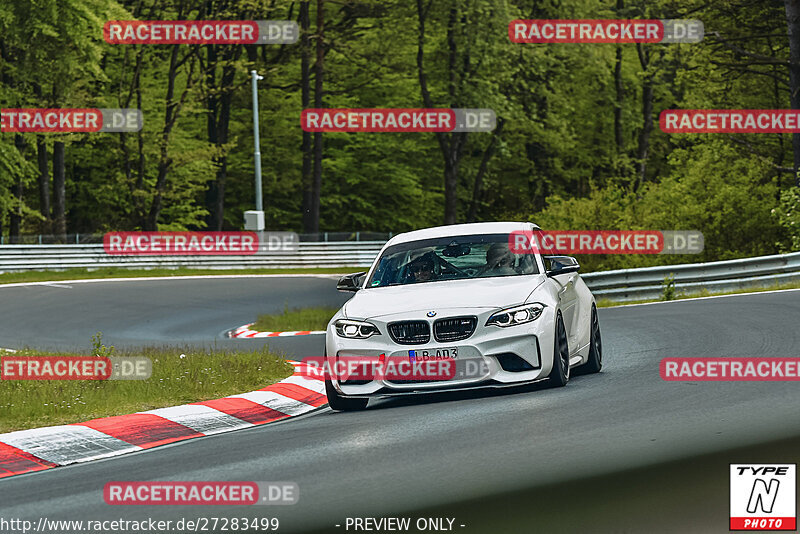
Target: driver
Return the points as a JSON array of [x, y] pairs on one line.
[[499, 260], [422, 269]]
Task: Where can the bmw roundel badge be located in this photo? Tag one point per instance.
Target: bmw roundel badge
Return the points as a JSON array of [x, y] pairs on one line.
[[431, 314]]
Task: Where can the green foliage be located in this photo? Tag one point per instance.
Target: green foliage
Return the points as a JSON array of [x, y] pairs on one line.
[[180, 376], [98, 349], [13, 168], [556, 162], [787, 215], [295, 319], [708, 188], [668, 287]]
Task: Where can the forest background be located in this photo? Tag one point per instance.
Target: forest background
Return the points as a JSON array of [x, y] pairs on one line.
[[577, 144]]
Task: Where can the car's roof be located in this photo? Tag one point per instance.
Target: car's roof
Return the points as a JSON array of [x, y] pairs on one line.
[[462, 229]]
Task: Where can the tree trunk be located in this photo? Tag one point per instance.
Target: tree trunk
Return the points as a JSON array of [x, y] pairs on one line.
[[218, 208], [452, 146], [305, 87], [619, 102], [793, 27], [219, 114], [151, 222], [647, 116], [477, 191], [15, 217], [450, 186], [44, 174], [136, 184], [173, 108], [59, 192], [44, 183], [212, 106], [138, 199], [619, 90], [453, 159], [319, 70]]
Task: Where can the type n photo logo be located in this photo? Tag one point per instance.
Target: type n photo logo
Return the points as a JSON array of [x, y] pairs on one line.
[[763, 497]]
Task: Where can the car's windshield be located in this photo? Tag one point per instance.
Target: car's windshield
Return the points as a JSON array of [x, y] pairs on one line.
[[450, 258]]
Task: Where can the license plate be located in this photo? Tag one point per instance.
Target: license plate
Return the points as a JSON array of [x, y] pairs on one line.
[[426, 355]]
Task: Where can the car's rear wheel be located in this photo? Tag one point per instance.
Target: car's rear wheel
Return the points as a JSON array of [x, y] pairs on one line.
[[595, 361], [559, 375], [339, 403]]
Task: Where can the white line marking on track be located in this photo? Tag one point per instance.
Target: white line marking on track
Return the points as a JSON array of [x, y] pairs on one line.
[[157, 278], [701, 298]]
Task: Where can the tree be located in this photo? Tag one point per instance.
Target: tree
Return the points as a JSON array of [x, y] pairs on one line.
[[793, 26]]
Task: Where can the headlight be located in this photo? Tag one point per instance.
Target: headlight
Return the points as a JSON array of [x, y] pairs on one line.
[[355, 329], [516, 315]]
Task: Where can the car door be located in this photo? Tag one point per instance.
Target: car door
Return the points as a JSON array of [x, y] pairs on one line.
[[568, 302]]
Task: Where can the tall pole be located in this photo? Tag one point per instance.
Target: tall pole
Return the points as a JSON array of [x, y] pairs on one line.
[[256, 140]]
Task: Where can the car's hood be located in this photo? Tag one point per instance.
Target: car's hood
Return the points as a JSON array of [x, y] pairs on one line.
[[474, 293]]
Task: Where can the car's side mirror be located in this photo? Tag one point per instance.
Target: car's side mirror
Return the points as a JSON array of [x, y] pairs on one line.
[[350, 282], [557, 265]]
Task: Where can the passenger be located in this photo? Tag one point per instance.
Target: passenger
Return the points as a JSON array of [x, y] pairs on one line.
[[499, 261]]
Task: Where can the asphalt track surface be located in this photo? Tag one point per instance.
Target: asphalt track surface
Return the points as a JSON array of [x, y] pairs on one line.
[[179, 312], [621, 451]]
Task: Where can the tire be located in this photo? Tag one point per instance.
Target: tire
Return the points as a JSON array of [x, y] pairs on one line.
[[559, 375], [339, 403], [342, 404], [595, 361]]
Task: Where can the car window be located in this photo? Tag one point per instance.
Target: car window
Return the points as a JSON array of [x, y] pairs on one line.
[[450, 258]]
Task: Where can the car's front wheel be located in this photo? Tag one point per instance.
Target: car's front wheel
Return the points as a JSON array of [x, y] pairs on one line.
[[339, 403], [559, 375], [342, 404]]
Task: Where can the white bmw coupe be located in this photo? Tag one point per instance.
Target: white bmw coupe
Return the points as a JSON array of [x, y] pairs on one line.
[[456, 307]]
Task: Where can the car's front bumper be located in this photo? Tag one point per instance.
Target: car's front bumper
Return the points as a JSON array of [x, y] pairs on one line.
[[492, 356]]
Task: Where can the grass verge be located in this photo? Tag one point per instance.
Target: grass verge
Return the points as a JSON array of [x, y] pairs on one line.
[[179, 377], [118, 272], [608, 303], [297, 319]]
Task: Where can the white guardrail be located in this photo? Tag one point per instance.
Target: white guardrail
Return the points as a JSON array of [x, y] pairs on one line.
[[619, 285]]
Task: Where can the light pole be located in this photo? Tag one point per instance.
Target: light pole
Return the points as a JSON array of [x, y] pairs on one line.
[[255, 220], [257, 141]]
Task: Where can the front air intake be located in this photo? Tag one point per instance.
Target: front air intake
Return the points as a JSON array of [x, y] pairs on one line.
[[410, 332], [454, 328], [514, 363]]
